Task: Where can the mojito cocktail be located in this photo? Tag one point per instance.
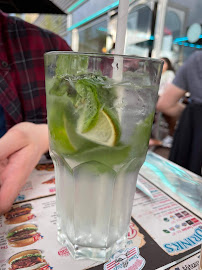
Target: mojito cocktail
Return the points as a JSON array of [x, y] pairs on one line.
[[99, 128]]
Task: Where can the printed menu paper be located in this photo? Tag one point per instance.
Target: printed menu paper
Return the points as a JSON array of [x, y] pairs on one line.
[[190, 264], [40, 183], [38, 243], [42, 241], [28, 230], [174, 228]]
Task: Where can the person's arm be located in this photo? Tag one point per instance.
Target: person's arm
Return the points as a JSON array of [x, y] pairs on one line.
[[21, 149], [169, 103]]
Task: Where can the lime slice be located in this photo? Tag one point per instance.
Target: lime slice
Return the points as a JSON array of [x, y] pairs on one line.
[[62, 128], [104, 132], [60, 139]]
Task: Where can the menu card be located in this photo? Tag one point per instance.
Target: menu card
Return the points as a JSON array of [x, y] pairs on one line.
[[173, 227], [162, 232], [189, 264], [40, 183], [31, 238]]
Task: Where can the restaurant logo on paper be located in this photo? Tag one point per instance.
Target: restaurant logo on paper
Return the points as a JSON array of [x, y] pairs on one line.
[[135, 238], [128, 259]]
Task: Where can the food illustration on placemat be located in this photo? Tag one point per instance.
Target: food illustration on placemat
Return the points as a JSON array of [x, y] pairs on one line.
[[45, 167], [50, 181], [19, 214], [28, 259], [23, 235]]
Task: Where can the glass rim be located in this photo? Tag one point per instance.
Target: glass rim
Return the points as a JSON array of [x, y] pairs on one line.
[[106, 55]]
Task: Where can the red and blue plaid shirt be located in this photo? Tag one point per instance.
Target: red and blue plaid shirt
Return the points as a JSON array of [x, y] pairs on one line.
[[22, 75]]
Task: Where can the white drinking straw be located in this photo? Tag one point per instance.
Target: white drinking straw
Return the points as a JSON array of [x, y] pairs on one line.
[[121, 26], [119, 49], [120, 38]]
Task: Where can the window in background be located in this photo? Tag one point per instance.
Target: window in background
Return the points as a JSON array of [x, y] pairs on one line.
[[174, 23], [92, 38], [138, 36]]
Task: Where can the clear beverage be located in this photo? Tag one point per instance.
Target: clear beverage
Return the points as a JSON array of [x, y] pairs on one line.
[[99, 130]]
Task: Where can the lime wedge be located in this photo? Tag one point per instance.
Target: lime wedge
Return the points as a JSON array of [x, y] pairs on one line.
[[62, 129], [60, 138], [104, 132], [61, 141]]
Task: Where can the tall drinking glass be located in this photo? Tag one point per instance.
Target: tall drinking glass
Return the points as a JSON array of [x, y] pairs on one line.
[[100, 113]]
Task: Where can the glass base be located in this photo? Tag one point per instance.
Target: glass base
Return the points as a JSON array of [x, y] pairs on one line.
[[98, 254]]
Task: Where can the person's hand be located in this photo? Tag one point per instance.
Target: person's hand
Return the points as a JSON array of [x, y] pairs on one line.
[[20, 150]]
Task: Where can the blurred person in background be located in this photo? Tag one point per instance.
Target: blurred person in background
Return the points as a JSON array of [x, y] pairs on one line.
[[187, 145], [168, 74], [22, 101]]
